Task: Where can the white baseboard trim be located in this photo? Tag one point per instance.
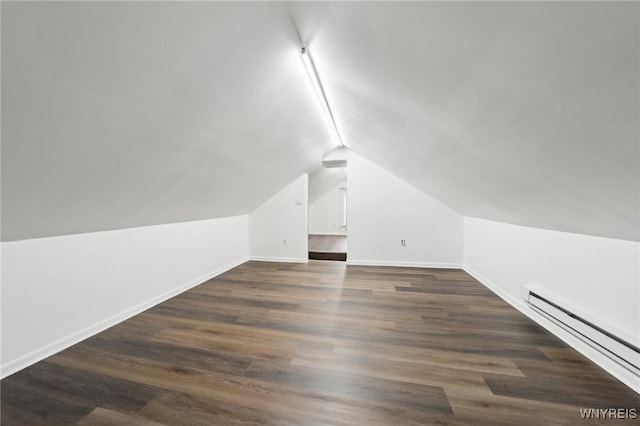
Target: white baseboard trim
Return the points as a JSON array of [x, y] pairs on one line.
[[320, 234], [13, 366], [612, 367], [280, 259], [403, 264]]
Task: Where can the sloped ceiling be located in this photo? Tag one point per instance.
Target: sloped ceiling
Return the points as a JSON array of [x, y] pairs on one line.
[[125, 114], [322, 179], [118, 114], [521, 112]]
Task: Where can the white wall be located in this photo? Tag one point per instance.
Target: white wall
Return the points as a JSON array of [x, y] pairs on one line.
[[598, 277], [325, 213], [60, 290], [322, 179], [283, 217], [382, 209]]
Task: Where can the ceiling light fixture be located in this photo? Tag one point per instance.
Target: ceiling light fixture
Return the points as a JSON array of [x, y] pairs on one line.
[[317, 86]]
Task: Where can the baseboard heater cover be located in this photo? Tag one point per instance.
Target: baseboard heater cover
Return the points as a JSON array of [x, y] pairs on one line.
[[616, 348]]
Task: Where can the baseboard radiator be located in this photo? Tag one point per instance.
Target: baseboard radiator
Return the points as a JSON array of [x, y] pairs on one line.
[[616, 348]]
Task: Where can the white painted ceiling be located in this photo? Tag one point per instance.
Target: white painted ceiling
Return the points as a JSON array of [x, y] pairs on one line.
[[125, 114], [322, 180], [116, 115], [522, 112]]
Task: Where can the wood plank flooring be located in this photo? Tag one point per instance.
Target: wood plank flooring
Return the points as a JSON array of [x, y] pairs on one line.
[[318, 343]]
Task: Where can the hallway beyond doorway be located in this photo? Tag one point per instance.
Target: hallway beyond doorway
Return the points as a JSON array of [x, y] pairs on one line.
[[328, 247]]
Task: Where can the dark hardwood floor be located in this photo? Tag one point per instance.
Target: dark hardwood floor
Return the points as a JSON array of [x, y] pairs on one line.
[[328, 247], [318, 343]]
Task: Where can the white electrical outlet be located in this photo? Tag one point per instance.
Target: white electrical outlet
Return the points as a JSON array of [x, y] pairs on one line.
[[284, 242], [403, 243]]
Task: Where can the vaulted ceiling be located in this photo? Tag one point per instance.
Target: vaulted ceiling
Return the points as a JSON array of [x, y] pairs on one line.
[[125, 114], [322, 180], [522, 112]]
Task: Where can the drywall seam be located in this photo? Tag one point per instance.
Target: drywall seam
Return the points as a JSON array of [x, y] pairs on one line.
[[61, 344], [613, 368]]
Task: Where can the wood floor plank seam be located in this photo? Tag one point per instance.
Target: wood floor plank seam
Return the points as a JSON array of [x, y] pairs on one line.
[[318, 343]]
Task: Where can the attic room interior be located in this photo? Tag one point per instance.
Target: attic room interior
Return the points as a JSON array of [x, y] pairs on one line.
[[470, 171]]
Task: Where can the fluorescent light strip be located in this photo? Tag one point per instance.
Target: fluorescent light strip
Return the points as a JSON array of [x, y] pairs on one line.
[[317, 86]]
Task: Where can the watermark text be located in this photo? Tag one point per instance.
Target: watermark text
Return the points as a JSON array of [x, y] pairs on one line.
[[609, 413]]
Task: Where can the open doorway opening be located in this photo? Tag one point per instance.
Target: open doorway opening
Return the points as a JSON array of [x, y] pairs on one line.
[[328, 213]]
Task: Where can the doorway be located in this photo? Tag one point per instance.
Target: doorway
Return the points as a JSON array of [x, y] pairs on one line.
[[328, 214]]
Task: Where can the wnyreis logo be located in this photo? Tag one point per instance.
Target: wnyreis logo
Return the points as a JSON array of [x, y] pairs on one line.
[[609, 413]]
